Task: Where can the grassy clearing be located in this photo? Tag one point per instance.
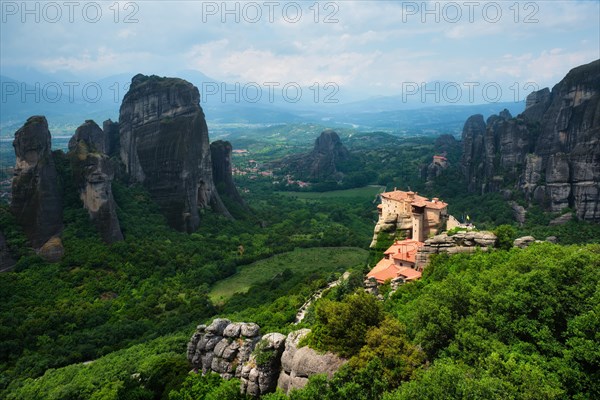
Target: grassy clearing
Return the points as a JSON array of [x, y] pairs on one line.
[[365, 192], [299, 261]]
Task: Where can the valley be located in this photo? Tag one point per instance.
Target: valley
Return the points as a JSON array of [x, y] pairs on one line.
[[299, 201]]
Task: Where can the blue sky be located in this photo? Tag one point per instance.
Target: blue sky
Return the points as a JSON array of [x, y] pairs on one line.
[[368, 48]]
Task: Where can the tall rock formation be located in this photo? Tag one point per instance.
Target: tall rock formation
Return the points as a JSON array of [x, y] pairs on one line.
[[326, 155], [551, 152], [93, 174], [36, 197], [322, 163], [112, 142], [220, 152], [164, 145]]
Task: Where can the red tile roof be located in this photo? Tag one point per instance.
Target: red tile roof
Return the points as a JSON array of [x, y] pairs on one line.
[[393, 271], [404, 250], [409, 274]]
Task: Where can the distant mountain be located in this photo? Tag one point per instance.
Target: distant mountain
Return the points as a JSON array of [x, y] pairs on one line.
[[67, 101]]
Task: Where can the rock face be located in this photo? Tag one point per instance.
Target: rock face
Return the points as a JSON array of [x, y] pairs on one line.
[[322, 162], [262, 363], [164, 145], [550, 152], [461, 242], [220, 152], [112, 141], [93, 173], [223, 347], [298, 364], [36, 196], [259, 375]]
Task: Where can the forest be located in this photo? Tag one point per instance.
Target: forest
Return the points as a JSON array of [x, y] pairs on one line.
[[112, 321]]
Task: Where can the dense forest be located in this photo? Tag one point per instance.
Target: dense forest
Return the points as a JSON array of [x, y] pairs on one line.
[[112, 321]]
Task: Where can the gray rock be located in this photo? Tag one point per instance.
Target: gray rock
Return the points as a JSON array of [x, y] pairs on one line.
[[232, 330], [523, 242], [220, 347], [274, 340], [563, 219], [250, 330], [36, 199], [93, 174], [218, 326], [550, 152], [164, 145]]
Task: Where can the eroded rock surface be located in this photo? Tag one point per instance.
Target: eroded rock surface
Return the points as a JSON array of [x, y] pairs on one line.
[[223, 172], [93, 174], [36, 195], [460, 242], [164, 145], [550, 152], [262, 363]]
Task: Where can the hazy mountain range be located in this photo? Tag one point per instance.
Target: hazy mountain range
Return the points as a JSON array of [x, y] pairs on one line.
[[67, 101]]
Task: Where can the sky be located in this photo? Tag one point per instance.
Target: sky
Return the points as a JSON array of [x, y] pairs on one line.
[[363, 48]]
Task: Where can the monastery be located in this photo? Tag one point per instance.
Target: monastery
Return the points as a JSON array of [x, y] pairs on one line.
[[419, 218]]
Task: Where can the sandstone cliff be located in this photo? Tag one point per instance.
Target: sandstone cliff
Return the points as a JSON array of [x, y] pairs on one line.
[[262, 363], [220, 152], [93, 174], [36, 197], [164, 145], [550, 152]]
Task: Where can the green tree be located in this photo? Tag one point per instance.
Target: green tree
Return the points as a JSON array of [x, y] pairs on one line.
[[342, 326], [505, 235]]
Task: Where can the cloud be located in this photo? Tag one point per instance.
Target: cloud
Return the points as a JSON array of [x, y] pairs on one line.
[[372, 49]]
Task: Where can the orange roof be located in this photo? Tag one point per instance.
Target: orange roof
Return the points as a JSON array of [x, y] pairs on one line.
[[404, 250], [390, 272], [409, 274], [383, 264], [439, 158], [393, 271]]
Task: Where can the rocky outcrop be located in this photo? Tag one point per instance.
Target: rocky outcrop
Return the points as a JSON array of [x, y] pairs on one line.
[[550, 152], [112, 141], [322, 163], [460, 242], [93, 174], [223, 347], [259, 375], [298, 364], [36, 197], [262, 363], [52, 250], [164, 145], [220, 152], [523, 241], [435, 168]]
